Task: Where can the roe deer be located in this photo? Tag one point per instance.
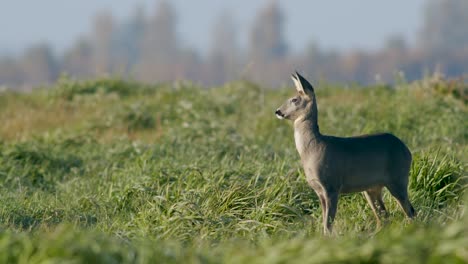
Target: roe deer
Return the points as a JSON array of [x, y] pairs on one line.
[[335, 165]]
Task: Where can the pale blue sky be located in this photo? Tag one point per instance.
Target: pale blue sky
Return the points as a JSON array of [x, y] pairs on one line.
[[334, 24]]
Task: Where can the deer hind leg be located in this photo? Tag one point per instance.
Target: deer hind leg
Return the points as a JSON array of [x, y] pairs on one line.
[[330, 211], [400, 192], [374, 198]]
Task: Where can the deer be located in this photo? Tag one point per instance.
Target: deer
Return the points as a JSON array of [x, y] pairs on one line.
[[339, 165]]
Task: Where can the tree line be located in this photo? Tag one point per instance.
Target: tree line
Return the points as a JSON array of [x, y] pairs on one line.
[[148, 48]]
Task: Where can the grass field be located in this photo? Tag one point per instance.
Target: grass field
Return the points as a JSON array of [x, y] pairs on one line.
[[112, 171]]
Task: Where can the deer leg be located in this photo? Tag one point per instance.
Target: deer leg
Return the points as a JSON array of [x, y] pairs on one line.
[[374, 198], [323, 205], [318, 188], [401, 195], [322, 199], [381, 206], [370, 201], [330, 211]]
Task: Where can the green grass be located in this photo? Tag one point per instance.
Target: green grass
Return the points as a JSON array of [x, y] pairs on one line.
[[112, 171]]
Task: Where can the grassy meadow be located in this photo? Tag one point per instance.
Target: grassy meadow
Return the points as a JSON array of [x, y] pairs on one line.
[[112, 171]]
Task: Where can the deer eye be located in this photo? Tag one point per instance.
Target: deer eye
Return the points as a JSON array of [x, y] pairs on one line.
[[294, 100]]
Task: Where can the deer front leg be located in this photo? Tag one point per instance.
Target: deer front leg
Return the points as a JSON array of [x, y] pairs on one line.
[[319, 190], [330, 211], [374, 198], [323, 204]]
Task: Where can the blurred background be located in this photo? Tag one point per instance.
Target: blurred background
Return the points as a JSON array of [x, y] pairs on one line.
[[210, 42]]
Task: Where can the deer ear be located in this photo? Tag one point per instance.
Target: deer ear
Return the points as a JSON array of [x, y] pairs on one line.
[[297, 84], [302, 85]]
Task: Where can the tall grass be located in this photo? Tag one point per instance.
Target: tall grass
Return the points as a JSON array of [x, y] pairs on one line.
[[112, 171]]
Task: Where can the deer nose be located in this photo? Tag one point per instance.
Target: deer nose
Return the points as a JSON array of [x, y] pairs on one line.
[[279, 114]]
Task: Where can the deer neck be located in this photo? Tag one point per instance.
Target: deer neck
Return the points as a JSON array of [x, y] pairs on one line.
[[306, 133]]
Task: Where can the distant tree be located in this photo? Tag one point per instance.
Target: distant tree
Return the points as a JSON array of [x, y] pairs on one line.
[[78, 61], [266, 38], [160, 47], [267, 54], [102, 41], [161, 43], [189, 66], [224, 51], [312, 60], [445, 26], [390, 62], [10, 72], [396, 43], [38, 65], [129, 39]]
